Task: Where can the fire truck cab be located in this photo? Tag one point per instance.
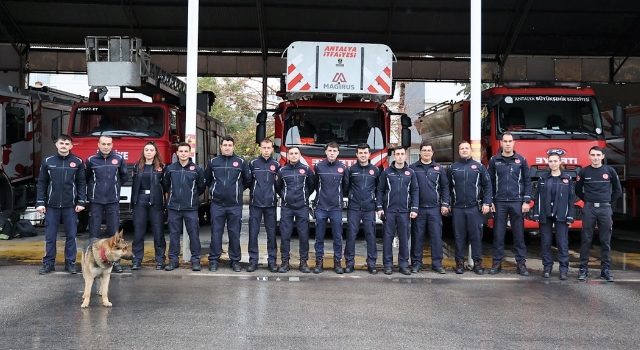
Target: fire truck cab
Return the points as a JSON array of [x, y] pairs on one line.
[[132, 122]]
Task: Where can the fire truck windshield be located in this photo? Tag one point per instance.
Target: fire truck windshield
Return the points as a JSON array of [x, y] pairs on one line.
[[118, 120], [557, 116], [313, 128]]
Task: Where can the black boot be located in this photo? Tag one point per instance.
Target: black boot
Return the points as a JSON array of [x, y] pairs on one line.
[[284, 267], [304, 268], [337, 267], [117, 268], [70, 267], [319, 268]]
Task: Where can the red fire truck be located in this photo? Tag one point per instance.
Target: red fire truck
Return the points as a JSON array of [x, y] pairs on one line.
[[335, 92], [565, 120], [120, 61], [32, 119]]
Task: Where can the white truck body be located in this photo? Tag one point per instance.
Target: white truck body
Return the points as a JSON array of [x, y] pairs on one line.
[[340, 69]]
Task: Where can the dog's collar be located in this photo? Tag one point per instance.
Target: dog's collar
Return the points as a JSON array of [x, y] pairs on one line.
[[103, 256]]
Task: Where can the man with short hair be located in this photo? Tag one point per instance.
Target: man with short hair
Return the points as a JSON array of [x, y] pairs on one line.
[[434, 202], [263, 204], [511, 184], [397, 201], [470, 199], [332, 181], [363, 181], [106, 172], [183, 181], [227, 175], [294, 183], [598, 186], [61, 194]]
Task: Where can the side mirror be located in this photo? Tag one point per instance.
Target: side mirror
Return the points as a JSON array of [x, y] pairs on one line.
[[405, 121], [261, 127], [618, 114], [618, 119], [616, 130]]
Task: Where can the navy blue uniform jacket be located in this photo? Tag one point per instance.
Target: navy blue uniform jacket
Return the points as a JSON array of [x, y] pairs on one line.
[[157, 198], [510, 178], [363, 182], [263, 188], [398, 190], [184, 184], [470, 184], [105, 177], [563, 207], [332, 181], [62, 182], [433, 184], [294, 184], [227, 177]]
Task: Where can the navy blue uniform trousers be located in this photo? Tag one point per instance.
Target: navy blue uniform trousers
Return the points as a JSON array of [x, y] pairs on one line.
[[428, 219], [112, 218], [467, 224], [590, 217], [144, 213], [53, 218], [233, 217], [369, 227], [255, 216], [190, 218], [562, 243], [400, 222], [286, 228], [336, 230], [512, 210]]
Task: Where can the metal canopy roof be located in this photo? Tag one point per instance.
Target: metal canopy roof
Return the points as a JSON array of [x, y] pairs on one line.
[[412, 28]]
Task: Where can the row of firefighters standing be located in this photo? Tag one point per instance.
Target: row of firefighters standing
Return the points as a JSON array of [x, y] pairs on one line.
[[410, 199]]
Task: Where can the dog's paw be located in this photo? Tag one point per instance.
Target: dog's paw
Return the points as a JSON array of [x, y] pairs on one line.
[[84, 305], [107, 304]]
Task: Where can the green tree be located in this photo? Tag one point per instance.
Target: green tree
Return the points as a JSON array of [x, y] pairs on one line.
[[466, 89], [234, 106]]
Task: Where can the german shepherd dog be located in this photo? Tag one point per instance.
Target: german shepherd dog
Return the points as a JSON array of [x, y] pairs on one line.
[[98, 256]]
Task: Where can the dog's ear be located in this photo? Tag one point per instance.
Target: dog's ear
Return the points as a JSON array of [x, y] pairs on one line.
[[119, 235]]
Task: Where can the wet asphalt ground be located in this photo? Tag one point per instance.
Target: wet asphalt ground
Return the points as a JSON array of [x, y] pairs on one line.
[[185, 309]]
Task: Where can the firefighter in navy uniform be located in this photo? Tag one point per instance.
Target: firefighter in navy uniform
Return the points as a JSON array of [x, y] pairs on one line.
[[106, 171], [61, 194], [397, 203], [511, 184], [554, 209], [363, 181], [263, 204], [227, 175], [332, 183], [184, 182], [148, 201], [434, 202], [470, 199], [294, 183], [598, 186]]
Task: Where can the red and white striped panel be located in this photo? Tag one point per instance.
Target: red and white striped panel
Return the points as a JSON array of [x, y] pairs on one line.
[[382, 80], [297, 81]]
